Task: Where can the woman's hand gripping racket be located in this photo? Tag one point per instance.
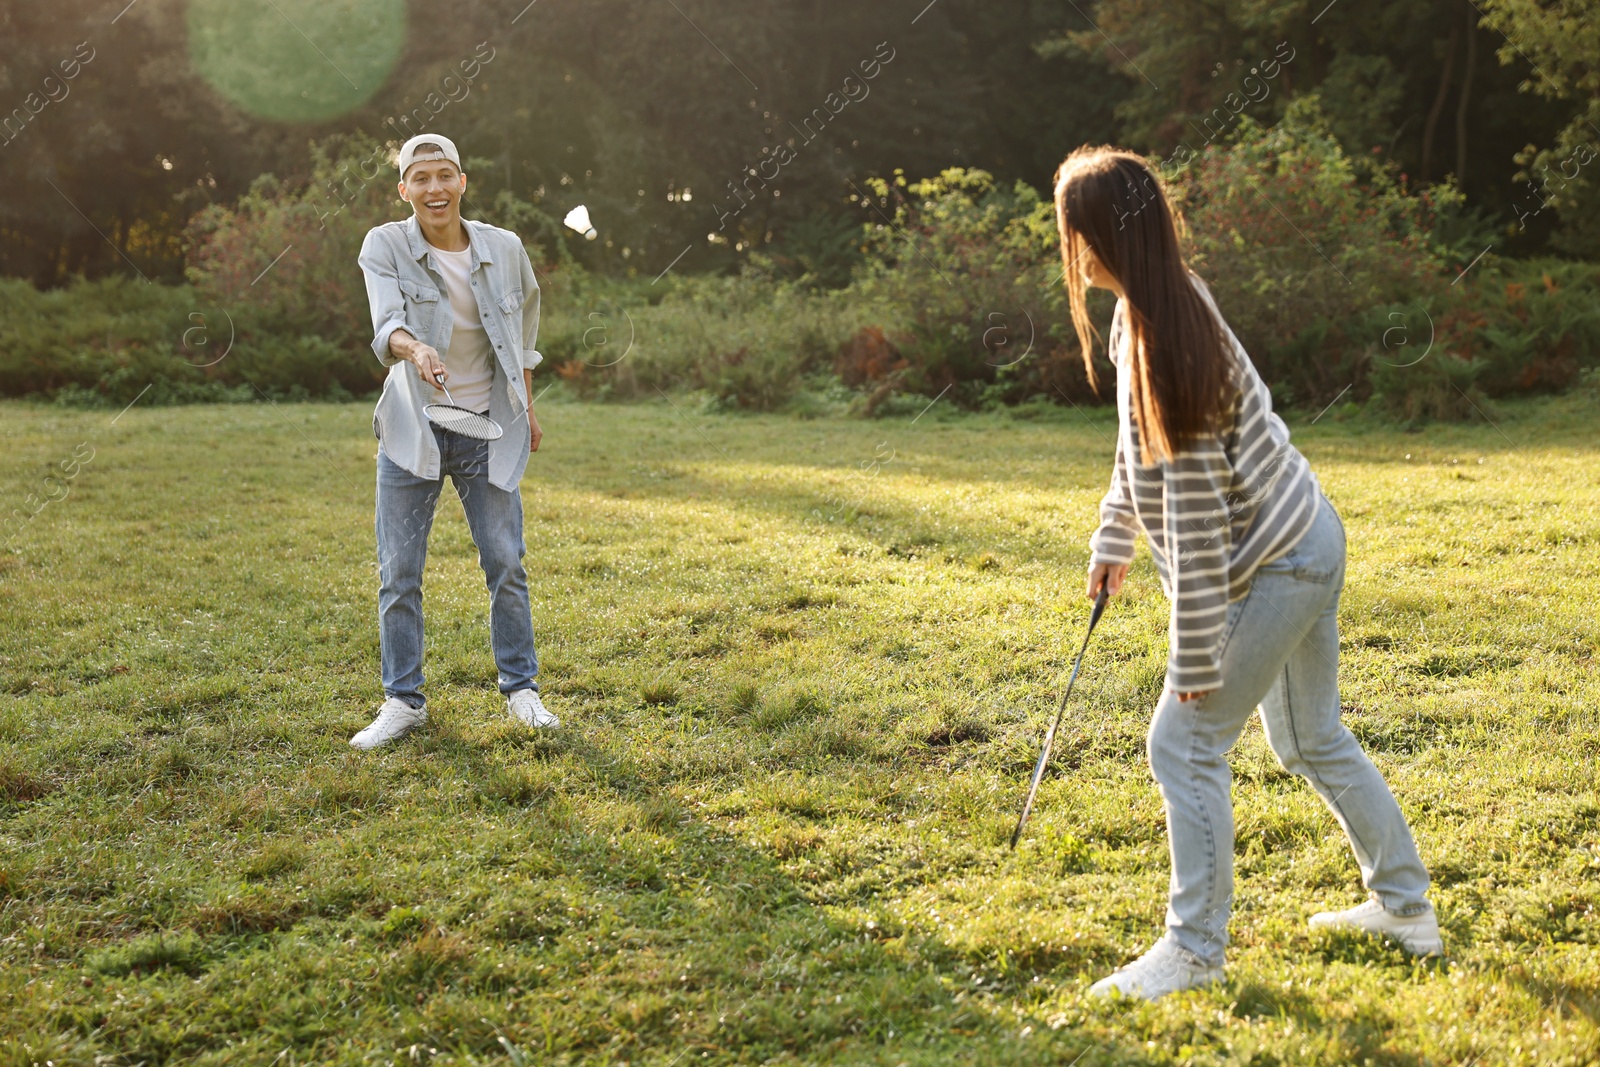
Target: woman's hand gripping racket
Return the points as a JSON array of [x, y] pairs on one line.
[[457, 419], [1050, 737]]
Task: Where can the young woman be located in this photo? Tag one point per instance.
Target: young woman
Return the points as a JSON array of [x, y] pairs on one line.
[[1252, 557]]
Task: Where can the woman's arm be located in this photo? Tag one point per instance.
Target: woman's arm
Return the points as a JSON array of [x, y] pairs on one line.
[[1111, 545], [1198, 536]]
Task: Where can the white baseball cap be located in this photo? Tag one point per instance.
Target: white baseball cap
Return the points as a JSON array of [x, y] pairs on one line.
[[408, 151]]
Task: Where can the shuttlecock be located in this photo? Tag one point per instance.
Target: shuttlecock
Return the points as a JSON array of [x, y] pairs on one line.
[[578, 219]]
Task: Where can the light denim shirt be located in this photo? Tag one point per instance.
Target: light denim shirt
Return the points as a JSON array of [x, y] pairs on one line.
[[406, 289]]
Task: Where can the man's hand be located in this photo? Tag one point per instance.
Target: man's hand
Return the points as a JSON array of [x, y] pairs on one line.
[[429, 365], [424, 356], [1186, 697], [1111, 574], [534, 433]]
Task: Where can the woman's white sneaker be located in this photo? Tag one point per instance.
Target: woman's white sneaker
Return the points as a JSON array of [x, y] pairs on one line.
[[526, 707], [1167, 968], [394, 719], [1417, 934]]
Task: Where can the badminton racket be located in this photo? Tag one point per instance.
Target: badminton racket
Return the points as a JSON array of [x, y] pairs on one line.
[[464, 421], [1050, 736]]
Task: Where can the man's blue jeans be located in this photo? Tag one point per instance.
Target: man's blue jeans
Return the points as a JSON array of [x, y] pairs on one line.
[[494, 516], [1280, 651]]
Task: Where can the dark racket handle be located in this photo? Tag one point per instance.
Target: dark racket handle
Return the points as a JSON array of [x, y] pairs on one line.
[[1099, 609]]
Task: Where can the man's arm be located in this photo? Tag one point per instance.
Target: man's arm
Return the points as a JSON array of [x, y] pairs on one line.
[[408, 349], [530, 312], [387, 304], [534, 433], [530, 334], [392, 342]]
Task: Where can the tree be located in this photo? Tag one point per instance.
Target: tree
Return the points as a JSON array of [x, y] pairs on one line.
[[1403, 81], [1559, 44]]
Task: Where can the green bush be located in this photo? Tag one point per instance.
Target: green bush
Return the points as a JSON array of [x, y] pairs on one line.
[[1510, 327], [1442, 387], [588, 323], [1534, 324], [276, 304], [1300, 244], [1333, 273], [1307, 251], [1338, 279], [106, 338], [281, 264], [746, 341], [104, 342], [966, 281]]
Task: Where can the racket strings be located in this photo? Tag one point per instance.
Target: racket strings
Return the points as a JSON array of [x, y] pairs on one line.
[[463, 421]]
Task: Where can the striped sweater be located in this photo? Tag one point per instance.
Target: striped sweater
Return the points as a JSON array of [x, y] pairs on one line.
[[1223, 506]]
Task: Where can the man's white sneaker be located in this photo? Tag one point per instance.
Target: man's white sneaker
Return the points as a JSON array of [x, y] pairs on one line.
[[1167, 968], [1417, 934], [395, 717], [526, 707]]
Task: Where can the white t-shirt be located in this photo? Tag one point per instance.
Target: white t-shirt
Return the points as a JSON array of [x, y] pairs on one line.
[[470, 359]]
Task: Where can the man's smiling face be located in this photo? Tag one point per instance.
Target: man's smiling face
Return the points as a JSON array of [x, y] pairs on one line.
[[434, 188]]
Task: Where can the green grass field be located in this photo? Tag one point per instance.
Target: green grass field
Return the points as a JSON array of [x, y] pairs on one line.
[[803, 668]]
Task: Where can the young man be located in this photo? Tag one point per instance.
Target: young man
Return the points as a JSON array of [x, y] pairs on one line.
[[454, 301]]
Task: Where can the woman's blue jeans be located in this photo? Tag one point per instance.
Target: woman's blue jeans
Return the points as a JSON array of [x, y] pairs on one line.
[[1281, 652], [494, 517]]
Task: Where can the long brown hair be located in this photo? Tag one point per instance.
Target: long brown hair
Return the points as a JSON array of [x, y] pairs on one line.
[[1108, 201]]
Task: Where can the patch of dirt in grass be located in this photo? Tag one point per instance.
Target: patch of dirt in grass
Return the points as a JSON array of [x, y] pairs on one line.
[[19, 784]]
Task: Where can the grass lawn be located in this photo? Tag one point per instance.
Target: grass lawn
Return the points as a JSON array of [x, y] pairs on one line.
[[803, 668]]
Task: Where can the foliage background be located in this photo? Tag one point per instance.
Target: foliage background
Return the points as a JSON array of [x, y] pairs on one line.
[[1343, 166], [623, 106]]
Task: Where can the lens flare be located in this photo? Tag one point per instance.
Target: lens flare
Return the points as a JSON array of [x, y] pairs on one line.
[[296, 60]]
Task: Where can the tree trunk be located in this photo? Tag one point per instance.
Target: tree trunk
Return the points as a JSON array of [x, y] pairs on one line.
[[1438, 104], [1466, 87]]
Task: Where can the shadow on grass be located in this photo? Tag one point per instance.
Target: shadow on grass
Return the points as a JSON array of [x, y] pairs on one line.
[[759, 970], [548, 900], [1582, 997]]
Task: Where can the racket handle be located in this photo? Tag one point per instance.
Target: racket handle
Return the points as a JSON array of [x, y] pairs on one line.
[[438, 378], [1099, 606]]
